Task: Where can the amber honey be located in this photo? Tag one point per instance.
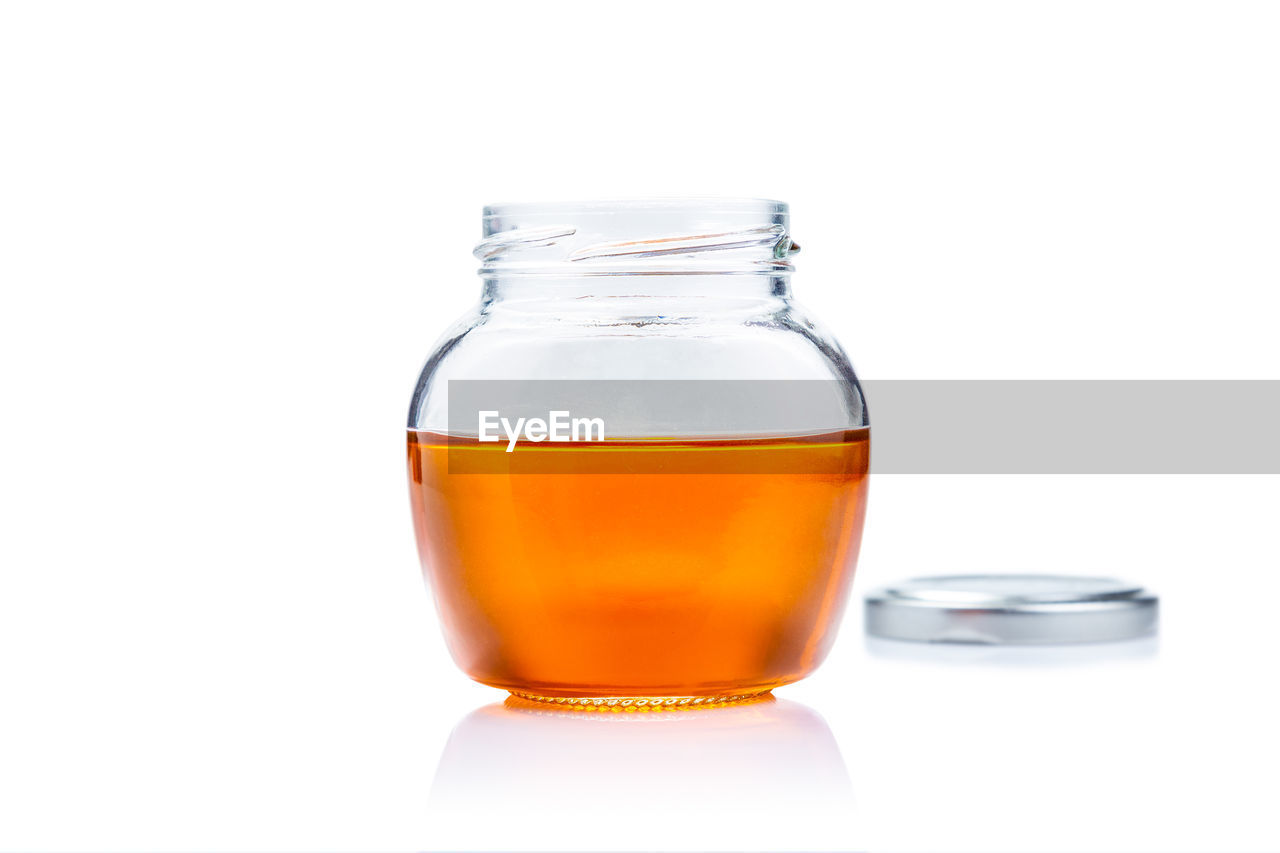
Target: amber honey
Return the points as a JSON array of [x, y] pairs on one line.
[[640, 568]]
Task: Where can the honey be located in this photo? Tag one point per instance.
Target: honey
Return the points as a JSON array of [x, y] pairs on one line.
[[657, 568]]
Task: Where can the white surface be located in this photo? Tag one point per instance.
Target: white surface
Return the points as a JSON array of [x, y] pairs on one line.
[[230, 232]]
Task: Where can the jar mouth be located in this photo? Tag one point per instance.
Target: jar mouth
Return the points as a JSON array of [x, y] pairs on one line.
[[700, 206], [660, 235]]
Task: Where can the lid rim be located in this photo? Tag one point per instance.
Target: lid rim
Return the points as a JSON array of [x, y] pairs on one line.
[[991, 609]]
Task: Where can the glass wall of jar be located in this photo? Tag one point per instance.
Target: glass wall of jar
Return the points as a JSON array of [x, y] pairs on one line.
[[698, 546]]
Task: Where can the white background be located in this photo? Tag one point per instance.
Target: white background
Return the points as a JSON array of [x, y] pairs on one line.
[[230, 232]]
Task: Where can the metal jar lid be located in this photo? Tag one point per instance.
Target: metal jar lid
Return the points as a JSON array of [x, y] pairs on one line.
[[1011, 609]]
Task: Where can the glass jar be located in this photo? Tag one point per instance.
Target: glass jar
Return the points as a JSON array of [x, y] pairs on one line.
[[698, 546]]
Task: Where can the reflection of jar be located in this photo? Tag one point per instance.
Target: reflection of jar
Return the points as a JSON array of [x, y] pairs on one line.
[[701, 542], [568, 781]]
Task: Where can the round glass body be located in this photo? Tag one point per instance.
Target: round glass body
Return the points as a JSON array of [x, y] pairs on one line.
[[699, 546]]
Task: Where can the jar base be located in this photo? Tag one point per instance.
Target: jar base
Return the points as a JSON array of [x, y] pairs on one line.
[[649, 704]]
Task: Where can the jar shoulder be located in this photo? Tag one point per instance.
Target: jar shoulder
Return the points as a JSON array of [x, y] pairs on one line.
[[780, 341]]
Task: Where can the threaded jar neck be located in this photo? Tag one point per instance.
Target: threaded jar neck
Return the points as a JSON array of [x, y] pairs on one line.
[[637, 237]]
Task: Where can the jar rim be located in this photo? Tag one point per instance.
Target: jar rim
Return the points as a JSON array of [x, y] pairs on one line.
[[650, 235], [694, 204]]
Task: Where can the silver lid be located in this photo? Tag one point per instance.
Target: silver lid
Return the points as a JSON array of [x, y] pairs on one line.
[[1011, 609]]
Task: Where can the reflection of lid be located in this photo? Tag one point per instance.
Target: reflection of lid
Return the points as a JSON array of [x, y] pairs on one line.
[[1013, 609]]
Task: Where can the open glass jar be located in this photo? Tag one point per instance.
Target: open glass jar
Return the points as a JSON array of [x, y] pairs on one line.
[[638, 469]]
